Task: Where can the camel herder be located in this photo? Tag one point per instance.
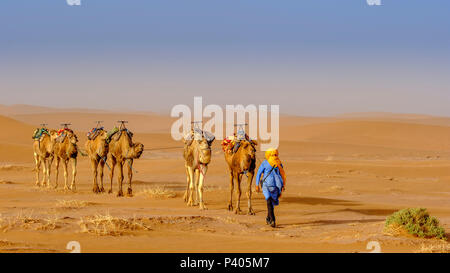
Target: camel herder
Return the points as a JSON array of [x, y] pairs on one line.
[[273, 182]]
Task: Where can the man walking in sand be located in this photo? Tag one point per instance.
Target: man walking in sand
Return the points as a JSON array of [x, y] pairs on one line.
[[273, 181]]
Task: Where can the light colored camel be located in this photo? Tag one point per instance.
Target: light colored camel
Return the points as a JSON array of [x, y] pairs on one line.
[[197, 156], [66, 151], [123, 150], [43, 154], [97, 150], [240, 163]]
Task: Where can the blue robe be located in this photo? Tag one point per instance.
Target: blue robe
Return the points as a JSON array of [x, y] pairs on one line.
[[272, 184]]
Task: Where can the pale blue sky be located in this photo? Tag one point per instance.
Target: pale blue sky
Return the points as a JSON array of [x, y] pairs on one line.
[[320, 57]]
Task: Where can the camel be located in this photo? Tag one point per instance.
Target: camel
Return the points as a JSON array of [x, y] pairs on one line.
[[97, 150], [243, 161], [43, 153], [197, 156], [65, 150], [122, 150]]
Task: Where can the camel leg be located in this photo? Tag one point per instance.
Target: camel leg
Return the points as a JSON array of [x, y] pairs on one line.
[[196, 178], [94, 165], [230, 203], [102, 168], [191, 187], [44, 171], [65, 174], [201, 179], [37, 167], [130, 177], [249, 193], [238, 194], [120, 178], [74, 174], [49, 169], [186, 193], [111, 176], [57, 171]]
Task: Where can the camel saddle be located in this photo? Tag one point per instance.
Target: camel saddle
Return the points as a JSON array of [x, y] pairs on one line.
[[229, 143], [62, 134], [93, 134], [39, 132], [114, 133], [200, 134]]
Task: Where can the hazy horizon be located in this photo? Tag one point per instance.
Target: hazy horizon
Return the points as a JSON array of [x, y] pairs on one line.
[[313, 58]]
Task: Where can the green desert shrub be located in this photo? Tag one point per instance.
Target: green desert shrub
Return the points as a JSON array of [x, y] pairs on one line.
[[416, 221]]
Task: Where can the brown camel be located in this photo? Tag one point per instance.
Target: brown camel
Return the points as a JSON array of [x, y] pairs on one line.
[[43, 154], [97, 150], [197, 156], [243, 161], [66, 149], [122, 150]]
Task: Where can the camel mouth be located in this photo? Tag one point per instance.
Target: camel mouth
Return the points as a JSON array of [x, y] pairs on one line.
[[139, 148]]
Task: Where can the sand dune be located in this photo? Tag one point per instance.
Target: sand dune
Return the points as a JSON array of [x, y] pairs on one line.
[[24, 109], [345, 175], [373, 133]]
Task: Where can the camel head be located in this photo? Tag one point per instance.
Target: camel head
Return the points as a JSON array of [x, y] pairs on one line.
[[103, 135], [73, 139], [248, 149], [138, 149], [102, 147], [53, 135], [204, 150]]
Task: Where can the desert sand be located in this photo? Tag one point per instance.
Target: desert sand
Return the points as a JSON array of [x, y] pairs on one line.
[[345, 175]]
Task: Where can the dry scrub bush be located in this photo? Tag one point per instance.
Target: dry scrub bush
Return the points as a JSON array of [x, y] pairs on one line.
[[72, 204], [107, 225], [415, 221], [440, 248], [27, 221], [158, 193]]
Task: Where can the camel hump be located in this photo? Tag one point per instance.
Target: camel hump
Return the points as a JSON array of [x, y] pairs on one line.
[[115, 133]]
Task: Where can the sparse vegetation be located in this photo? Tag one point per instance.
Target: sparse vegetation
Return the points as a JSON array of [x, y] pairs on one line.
[[3, 224], [439, 248], [158, 193], [415, 221], [27, 221], [72, 204], [107, 225], [48, 224]]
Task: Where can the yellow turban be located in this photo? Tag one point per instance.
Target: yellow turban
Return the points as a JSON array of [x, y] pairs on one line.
[[274, 161]]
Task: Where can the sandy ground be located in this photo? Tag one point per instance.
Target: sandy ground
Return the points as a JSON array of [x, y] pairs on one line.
[[345, 175]]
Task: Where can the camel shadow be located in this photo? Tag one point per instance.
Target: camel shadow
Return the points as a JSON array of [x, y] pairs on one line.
[[176, 186], [329, 222], [371, 212], [319, 201]]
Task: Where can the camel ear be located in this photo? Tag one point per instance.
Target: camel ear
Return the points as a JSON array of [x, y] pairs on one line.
[[254, 142]]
